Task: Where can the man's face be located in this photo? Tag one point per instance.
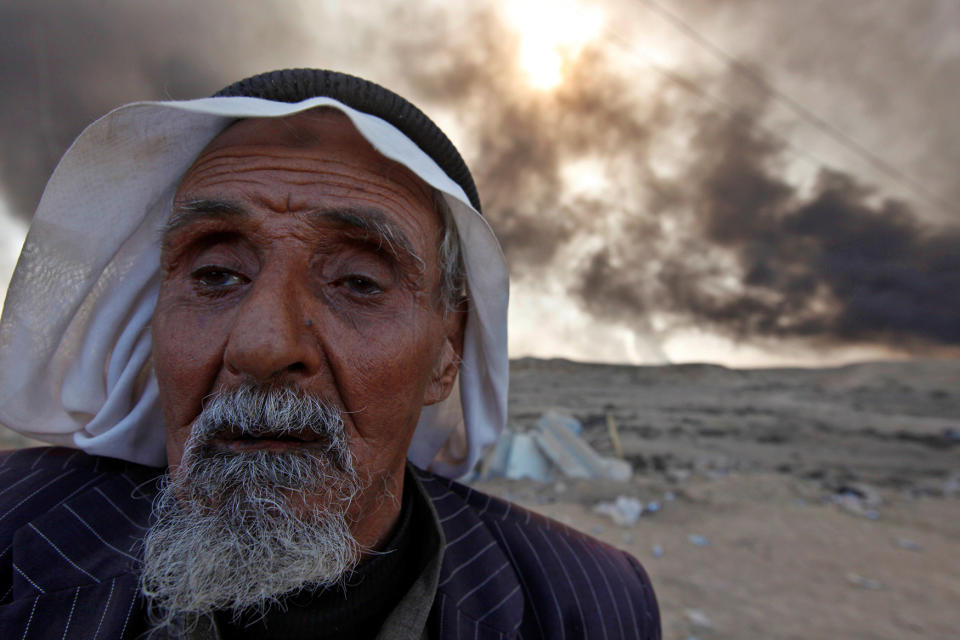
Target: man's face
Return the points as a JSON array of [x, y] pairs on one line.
[[298, 255]]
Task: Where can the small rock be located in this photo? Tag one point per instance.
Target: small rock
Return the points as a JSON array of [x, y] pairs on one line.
[[857, 499], [624, 511], [653, 506], [860, 491], [952, 485], [864, 583], [698, 618], [909, 545], [698, 540], [657, 551]]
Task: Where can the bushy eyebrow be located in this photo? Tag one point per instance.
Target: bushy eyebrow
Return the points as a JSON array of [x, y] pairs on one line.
[[372, 224], [190, 211]]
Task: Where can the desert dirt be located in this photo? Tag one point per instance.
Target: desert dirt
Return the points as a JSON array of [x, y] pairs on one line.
[[826, 502]]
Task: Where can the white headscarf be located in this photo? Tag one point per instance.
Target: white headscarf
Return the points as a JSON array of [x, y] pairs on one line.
[[75, 346]]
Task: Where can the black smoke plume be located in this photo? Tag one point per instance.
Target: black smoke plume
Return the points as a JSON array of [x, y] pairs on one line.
[[66, 63], [836, 263], [698, 223]]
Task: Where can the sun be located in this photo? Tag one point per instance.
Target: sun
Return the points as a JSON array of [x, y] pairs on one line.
[[551, 35]]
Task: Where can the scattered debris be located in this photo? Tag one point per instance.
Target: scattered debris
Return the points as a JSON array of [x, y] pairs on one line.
[[857, 499], [571, 454], [864, 583], [555, 447], [909, 545], [559, 418], [515, 455], [698, 540], [698, 618], [952, 485], [863, 492], [614, 435], [624, 511]]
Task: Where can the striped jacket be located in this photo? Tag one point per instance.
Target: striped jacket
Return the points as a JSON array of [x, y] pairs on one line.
[[71, 526]]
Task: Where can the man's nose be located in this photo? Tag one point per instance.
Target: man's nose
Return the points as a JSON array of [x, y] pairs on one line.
[[271, 337]]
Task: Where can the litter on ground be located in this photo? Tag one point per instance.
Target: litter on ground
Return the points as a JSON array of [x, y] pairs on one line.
[[624, 511], [553, 449], [698, 540]]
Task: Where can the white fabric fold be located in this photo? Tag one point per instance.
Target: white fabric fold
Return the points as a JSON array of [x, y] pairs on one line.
[[75, 346]]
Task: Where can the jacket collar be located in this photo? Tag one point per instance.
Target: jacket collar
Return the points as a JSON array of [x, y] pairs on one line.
[[100, 530], [477, 579]]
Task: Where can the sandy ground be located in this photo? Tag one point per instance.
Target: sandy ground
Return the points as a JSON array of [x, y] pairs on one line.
[[754, 462], [779, 563]]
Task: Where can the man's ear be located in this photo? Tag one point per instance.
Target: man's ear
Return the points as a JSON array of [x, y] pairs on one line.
[[448, 363]]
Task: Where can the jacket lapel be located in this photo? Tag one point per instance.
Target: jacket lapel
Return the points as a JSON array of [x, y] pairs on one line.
[[76, 565], [479, 594]]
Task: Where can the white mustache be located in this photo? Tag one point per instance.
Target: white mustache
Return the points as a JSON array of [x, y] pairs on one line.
[[257, 411]]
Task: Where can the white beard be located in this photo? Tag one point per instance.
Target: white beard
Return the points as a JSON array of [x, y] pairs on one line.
[[233, 530]]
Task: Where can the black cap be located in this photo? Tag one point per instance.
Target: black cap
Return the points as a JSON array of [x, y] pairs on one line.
[[295, 85]]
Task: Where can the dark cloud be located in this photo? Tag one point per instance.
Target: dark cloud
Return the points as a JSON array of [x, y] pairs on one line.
[[520, 140], [699, 223], [882, 74], [754, 256], [837, 264], [67, 63]]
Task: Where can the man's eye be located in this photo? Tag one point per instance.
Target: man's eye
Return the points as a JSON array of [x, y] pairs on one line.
[[216, 277], [362, 285]]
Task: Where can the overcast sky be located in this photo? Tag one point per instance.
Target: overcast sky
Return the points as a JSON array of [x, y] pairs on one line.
[[741, 181]]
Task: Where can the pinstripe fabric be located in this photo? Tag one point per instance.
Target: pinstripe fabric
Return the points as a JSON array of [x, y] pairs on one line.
[[71, 525], [510, 573], [69, 529]]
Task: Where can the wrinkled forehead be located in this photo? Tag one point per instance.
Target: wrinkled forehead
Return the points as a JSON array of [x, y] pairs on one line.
[[321, 135]]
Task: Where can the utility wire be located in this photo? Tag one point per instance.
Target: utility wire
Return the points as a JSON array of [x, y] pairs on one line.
[[691, 86], [798, 108]]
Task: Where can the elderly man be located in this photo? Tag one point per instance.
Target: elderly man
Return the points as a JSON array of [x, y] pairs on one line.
[[242, 316]]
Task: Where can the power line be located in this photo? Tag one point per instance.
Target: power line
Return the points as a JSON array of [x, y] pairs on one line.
[[840, 136], [691, 86]]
